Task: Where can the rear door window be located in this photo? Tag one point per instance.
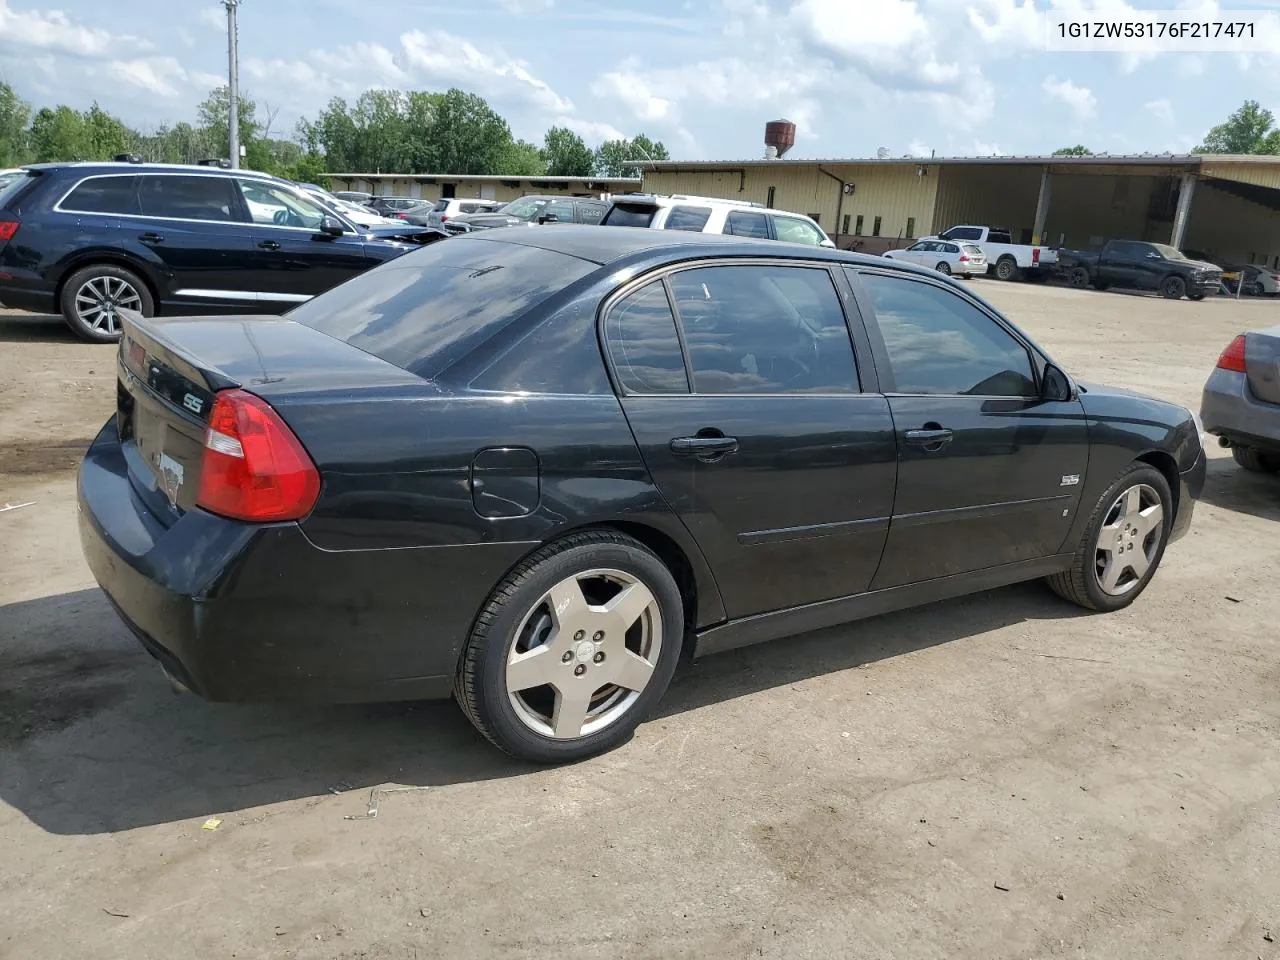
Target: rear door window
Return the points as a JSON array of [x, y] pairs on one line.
[[995, 236], [117, 195], [640, 333], [741, 223], [629, 215], [764, 329], [428, 309], [189, 198], [692, 219], [793, 230]]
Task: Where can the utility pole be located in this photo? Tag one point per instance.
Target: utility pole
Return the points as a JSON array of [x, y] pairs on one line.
[[233, 84]]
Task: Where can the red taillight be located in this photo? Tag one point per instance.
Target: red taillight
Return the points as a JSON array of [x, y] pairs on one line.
[[444, 217], [964, 258], [1232, 358], [254, 468], [400, 216], [7, 229], [1035, 254]]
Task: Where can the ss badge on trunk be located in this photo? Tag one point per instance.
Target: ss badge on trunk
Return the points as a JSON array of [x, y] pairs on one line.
[[170, 477]]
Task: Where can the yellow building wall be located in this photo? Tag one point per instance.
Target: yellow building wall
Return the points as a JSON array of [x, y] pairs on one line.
[[1260, 175], [1232, 229], [463, 187], [893, 193]]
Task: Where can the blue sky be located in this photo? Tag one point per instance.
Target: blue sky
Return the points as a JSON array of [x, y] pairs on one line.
[[959, 77]]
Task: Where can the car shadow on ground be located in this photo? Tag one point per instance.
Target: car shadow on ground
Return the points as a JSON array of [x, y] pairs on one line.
[[92, 739], [35, 327], [1231, 487]]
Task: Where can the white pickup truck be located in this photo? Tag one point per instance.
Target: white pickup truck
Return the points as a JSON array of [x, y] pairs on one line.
[[1006, 259]]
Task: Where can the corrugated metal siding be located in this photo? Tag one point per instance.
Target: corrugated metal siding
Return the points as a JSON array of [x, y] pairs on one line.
[[392, 186], [1232, 229], [1262, 175], [895, 194], [987, 196]]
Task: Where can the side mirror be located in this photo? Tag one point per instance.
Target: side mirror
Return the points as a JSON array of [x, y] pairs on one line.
[[548, 218], [1054, 384], [331, 227]]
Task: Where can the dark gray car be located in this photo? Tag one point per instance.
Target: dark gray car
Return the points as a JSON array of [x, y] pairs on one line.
[[531, 210], [1241, 401]]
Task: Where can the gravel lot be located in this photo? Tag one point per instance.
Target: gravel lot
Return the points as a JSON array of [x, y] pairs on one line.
[[999, 776]]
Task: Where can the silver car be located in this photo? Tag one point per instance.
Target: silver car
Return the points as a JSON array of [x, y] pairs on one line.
[[1241, 401], [945, 256]]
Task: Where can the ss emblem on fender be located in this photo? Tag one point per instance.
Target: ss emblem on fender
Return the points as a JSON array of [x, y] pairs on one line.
[[1070, 480]]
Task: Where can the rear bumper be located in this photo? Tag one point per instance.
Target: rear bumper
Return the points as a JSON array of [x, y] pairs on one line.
[[27, 291], [236, 611], [1229, 409]]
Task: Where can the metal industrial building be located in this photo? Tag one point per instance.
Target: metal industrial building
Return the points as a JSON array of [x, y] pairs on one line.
[[1225, 206], [432, 186]]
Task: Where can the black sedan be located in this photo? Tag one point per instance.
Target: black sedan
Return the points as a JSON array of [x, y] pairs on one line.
[[531, 468]]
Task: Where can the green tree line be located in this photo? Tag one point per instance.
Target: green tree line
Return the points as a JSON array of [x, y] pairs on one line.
[[1250, 130], [383, 131]]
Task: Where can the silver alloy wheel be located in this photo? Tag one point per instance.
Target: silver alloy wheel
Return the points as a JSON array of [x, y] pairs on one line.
[[99, 300], [584, 653], [1129, 539]]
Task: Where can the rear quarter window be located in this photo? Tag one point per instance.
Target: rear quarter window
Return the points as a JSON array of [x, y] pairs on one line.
[[692, 219], [629, 215], [104, 195], [426, 310]]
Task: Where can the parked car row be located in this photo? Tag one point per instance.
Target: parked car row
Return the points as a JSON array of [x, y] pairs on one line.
[[93, 241]]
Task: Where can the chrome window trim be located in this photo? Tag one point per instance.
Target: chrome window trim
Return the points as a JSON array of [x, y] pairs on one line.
[[59, 208]]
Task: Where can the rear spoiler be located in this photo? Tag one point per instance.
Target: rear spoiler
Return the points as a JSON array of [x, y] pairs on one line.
[[151, 355]]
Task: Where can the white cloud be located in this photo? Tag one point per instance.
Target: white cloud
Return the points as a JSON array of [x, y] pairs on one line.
[[593, 132], [154, 76], [443, 56], [918, 148], [215, 18], [54, 31], [1079, 99], [519, 7], [1163, 109]]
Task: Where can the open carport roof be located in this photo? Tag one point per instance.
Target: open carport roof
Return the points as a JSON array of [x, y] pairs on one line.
[[1192, 161]]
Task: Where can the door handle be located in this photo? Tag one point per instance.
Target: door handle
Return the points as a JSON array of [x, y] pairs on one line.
[[707, 449], [931, 437], [270, 245], [151, 237]]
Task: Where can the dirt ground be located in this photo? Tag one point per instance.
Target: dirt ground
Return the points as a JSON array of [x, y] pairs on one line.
[[998, 776]]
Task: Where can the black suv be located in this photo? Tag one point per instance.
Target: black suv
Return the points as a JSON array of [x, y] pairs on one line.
[[91, 239]]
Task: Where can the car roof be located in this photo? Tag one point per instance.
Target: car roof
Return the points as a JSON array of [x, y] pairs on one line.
[[605, 245], [108, 166]]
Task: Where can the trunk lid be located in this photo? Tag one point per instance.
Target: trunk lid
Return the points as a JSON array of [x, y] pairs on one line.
[[1262, 363], [169, 370]]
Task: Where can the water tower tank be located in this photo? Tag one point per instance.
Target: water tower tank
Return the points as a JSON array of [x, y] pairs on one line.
[[780, 135]]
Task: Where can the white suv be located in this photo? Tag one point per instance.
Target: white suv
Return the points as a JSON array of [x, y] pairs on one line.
[[710, 215]]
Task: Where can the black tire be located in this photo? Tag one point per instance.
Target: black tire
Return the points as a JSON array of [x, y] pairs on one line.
[[1007, 269], [1251, 458], [1173, 288], [481, 685], [1196, 296], [1101, 285], [944, 268], [1080, 583], [108, 275], [1078, 278]]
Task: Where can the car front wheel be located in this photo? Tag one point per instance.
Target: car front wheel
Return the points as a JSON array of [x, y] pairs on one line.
[[573, 649], [1122, 544], [1173, 287]]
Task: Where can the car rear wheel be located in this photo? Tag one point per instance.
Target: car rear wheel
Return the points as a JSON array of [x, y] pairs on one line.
[[1006, 269], [1251, 458], [1173, 287], [1122, 544], [573, 649], [92, 299], [1078, 277], [944, 268]]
